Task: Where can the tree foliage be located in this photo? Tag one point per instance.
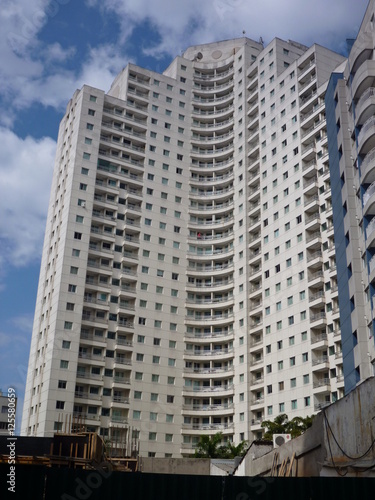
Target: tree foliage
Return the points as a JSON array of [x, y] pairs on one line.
[[211, 447], [281, 425]]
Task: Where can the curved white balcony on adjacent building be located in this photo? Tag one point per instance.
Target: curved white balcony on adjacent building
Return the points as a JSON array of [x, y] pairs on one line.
[[366, 136]]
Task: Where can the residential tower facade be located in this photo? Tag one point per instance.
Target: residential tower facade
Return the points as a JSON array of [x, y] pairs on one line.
[[188, 281]]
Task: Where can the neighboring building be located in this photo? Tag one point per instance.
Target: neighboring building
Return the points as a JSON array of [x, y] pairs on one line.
[[5, 414], [188, 280], [351, 132]]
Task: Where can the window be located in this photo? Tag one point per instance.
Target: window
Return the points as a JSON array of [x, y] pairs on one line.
[[61, 384], [291, 320], [64, 364], [72, 288], [292, 361]]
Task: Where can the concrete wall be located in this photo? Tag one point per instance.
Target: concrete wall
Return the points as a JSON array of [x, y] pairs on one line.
[[192, 466], [352, 423], [308, 449]]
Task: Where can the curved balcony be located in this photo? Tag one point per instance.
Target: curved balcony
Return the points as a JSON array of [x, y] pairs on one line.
[[207, 408], [210, 252], [213, 372], [220, 285], [213, 112], [213, 138], [211, 335], [363, 78], [361, 51], [218, 208], [212, 301], [213, 74], [213, 100], [366, 137], [369, 200], [212, 193], [212, 151], [370, 233], [368, 168], [213, 270], [227, 388], [365, 107], [215, 125], [198, 165], [221, 221], [214, 319]]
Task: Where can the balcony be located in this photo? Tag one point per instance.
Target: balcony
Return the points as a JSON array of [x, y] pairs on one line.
[[312, 277], [318, 338], [369, 200], [320, 363], [317, 297], [209, 352], [368, 168], [209, 388], [322, 385], [319, 318], [209, 407], [365, 106], [208, 427], [87, 395], [120, 380], [366, 136]]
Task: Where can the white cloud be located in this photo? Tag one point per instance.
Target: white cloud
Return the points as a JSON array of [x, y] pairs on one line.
[[36, 72], [23, 323], [56, 53], [25, 176], [190, 22], [55, 89]]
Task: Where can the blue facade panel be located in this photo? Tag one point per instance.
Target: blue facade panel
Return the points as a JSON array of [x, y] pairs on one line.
[[343, 272]]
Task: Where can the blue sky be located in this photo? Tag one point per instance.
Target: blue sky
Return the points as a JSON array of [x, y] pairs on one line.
[[48, 48]]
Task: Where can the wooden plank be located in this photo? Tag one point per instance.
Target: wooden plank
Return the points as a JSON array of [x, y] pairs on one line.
[[274, 464], [289, 472], [283, 467]]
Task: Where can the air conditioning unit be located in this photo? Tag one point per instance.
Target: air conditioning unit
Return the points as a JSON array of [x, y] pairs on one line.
[[280, 439]]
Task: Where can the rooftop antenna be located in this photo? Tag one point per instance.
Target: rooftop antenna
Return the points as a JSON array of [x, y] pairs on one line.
[[244, 32], [261, 40]]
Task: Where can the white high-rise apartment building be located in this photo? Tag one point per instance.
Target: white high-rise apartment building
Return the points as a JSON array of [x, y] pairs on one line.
[[188, 282]]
